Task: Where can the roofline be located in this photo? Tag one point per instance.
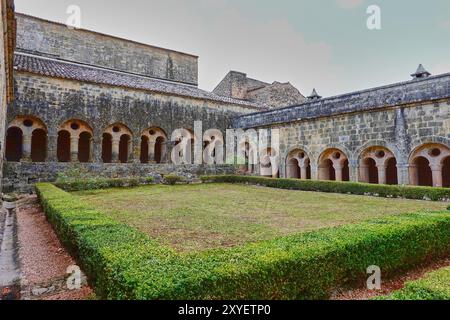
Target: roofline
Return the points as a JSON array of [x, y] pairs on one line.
[[243, 104], [107, 35], [323, 100], [45, 56]]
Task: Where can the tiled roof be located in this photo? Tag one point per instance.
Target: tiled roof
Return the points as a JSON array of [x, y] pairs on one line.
[[68, 70], [415, 91]]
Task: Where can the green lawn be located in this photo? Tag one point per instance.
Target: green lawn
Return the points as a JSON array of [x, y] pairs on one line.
[[204, 216]]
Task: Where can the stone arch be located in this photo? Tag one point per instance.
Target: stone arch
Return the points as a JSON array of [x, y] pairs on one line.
[[213, 145], [247, 151], [26, 139], [446, 172], [269, 163], [117, 144], [378, 165], [153, 145], [183, 150], [75, 141], [381, 143], [334, 165], [298, 165], [427, 165], [14, 142]]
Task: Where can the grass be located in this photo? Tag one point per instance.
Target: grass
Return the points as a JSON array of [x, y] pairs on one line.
[[199, 217]]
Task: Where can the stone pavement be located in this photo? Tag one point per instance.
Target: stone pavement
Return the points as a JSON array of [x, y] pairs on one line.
[[33, 263], [9, 264]]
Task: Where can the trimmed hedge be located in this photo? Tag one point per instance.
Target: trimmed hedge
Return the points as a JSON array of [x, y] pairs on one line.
[[172, 179], [123, 263], [434, 286], [101, 183], [387, 191]]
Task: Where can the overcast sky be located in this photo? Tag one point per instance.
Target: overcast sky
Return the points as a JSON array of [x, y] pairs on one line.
[[311, 43]]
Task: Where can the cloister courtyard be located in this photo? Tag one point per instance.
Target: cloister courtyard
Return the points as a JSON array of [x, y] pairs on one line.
[[206, 216]]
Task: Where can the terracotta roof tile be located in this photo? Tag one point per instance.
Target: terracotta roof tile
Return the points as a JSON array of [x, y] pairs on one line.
[[80, 72]]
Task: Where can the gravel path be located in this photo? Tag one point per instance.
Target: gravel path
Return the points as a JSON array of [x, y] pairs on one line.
[[2, 225], [43, 259], [388, 286]]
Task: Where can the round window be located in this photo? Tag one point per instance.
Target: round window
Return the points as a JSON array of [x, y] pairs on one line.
[[28, 123], [435, 152]]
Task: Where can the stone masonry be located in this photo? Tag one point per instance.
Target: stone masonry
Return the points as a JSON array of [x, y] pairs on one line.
[[7, 28], [58, 41], [108, 106]]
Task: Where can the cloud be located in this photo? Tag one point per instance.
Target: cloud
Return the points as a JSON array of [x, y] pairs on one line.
[[349, 4]]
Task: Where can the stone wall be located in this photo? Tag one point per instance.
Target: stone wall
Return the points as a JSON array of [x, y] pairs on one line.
[[2, 89], [276, 95], [56, 40], [7, 30], [55, 101], [400, 129], [20, 177]]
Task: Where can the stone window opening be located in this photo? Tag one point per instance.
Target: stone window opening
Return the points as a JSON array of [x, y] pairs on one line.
[[39, 146], [446, 172], [14, 137], [184, 146], [269, 166], [247, 157], [428, 165], [107, 148], [334, 166], [117, 144], [75, 142], [153, 146], [124, 148], [213, 147], [378, 166], [298, 165], [26, 140], [63, 146]]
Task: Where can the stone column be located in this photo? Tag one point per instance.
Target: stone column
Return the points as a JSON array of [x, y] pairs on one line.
[[363, 173], [437, 175], [338, 171], [353, 170], [130, 155], [303, 172], [403, 174], [26, 147], [381, 174], [91, 150], [98, 146], [115, 142], [74, 141], [52, 146], [323, 173], [164, 152], [151, 150], [413, 175]]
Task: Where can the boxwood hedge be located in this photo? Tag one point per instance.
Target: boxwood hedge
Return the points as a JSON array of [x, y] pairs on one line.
[[434, 286], [123, 263], [101, 183], [387, 191]]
